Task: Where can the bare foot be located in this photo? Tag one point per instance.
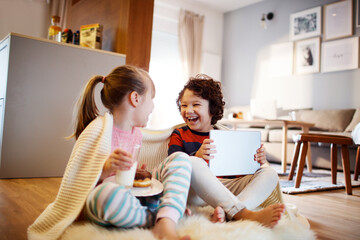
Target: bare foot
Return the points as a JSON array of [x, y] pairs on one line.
[[218, 215], [268, 216], [165, 228]]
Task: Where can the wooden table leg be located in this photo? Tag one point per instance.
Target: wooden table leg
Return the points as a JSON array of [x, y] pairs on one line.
[[308, 159], [301, 164], [294, 162], [333, 159], [284, 148], [346, 167], [357, 166]]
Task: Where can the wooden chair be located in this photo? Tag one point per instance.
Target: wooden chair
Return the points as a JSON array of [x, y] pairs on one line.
[[357, 164], [302, 141]]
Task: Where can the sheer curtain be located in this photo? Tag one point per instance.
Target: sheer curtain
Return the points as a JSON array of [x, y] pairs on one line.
[[190, 42]]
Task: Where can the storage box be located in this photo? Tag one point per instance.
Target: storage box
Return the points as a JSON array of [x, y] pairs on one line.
[[91, 35]]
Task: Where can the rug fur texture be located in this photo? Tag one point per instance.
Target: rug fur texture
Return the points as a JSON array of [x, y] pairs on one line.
[[199, 227]]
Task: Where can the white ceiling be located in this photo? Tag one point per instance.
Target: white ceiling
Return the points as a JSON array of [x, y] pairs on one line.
[[226, 5]]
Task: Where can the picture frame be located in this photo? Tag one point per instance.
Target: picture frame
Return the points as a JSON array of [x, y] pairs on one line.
[[339, 55], [338, 20], [307, 56], [358, 13], [305, 24]]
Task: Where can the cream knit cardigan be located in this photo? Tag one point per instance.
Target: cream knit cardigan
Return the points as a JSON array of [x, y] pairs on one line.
[[81, 175]]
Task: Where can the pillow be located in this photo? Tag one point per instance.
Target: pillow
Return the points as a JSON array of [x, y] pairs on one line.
[[327, 120], [356, 134], [355, 120]]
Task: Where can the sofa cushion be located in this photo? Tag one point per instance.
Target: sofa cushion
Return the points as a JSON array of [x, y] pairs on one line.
[[327, 120], [355, 134], [355, 120], [275, 135]]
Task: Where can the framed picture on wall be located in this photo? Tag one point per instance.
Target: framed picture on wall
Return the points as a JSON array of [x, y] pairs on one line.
[[338, 21], [307, 56], [358, 13], [340, 55], [305, 24]]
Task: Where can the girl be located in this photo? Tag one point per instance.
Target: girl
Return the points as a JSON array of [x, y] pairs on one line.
[[127, 93], [201, 105]]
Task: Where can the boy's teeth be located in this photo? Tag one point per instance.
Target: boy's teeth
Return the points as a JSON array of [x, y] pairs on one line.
[[192, 119]]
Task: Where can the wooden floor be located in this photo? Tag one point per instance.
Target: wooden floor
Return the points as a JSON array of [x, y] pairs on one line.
[[332, 214]]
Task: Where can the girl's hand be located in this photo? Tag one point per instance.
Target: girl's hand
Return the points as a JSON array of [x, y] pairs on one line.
[[260, 155], [206, 149], [118, 160]]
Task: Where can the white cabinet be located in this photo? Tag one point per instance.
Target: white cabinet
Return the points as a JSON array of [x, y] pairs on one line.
[[40, 82]]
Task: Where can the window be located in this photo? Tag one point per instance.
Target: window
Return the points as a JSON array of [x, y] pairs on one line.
[[166, 72]]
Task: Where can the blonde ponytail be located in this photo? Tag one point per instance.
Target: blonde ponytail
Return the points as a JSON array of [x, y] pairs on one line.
[[87, 110], [121, 81]]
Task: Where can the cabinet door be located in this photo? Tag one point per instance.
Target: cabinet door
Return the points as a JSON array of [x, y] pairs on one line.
[[4, 66], [1, 123]]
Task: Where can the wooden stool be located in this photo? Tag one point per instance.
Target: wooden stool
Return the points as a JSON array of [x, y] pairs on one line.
[[357, 164], [302, 141]]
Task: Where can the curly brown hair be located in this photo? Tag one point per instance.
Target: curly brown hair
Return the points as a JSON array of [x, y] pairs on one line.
[[205, 87]]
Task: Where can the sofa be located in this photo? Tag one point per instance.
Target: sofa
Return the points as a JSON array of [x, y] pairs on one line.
[[154, 149], [330, 121]]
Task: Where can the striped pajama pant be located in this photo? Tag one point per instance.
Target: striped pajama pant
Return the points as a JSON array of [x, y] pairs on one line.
[[110, 204]]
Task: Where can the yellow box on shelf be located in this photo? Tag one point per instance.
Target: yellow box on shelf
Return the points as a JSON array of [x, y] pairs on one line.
[[91, 35]]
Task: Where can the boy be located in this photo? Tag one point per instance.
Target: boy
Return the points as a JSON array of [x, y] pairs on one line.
[[201, 105]]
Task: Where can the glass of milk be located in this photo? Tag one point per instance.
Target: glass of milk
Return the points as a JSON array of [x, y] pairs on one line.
[[126, 177]]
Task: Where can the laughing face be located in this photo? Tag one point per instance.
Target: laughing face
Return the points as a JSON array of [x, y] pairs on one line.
[[195, 112]]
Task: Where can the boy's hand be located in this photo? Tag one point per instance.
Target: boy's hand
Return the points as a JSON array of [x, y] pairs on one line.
[[260, 155], [118, 160], [206, 149]]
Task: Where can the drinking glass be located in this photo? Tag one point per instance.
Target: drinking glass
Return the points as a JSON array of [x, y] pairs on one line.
[[126, 177]]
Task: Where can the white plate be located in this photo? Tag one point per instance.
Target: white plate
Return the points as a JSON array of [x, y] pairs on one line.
[[155, 188]]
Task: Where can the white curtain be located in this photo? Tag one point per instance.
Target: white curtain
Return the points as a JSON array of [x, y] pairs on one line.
[[190, 42]]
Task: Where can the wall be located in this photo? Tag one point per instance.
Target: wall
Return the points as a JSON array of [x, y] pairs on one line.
[[106, 13], [127, 26], [24, 16], [166, 15], [246, 61]]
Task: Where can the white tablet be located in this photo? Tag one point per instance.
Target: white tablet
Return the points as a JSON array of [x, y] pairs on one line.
[[234, 152]]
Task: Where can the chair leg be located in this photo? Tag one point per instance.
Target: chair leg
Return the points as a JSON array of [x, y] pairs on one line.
[[294, 161], [308, 159], [346, 167], [333, 160], [300, 169], [357, 164]]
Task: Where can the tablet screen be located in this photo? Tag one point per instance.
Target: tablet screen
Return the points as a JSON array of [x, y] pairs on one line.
[[234, 152]]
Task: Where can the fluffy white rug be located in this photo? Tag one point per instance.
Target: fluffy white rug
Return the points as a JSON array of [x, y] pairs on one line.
[[199, 227]]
